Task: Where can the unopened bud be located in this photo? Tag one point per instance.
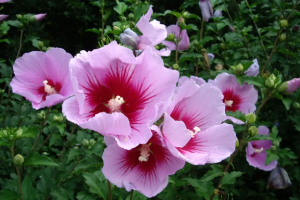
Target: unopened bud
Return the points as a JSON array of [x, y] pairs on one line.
[[100, 30], [58, 118], [41, 115], [116, 28], [19, 133], [222, 46], [269, 83], [185, 14], [131, 16], [181, 22], [40, 44], [237, 143], [176, 66], [216, 192], [273, 148], [283, 87], [239, 68], [171, 37], [231, 29], [283, 23], [123, 18], [85, 142], [276, 143], [92, 142], [253, 131], [296, 105], [282, 37], [219, 67], [18, 159], [251, 118], [19, 17]]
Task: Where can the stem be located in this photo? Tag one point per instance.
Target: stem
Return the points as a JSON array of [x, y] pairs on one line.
[[278, 35], [17, 169], [131, 195], [6, 107], [176, 53], [41, 129], [197, 67], [109, 190], [20, 43], [202, 27], [264, 102], [62, 152], [49, 136], [102, 20]]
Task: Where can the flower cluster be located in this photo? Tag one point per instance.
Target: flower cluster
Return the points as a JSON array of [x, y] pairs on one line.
[[151, 126]]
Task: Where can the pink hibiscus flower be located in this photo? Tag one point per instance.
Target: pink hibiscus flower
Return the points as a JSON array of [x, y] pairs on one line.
[[144, 168], [118, 94], [293, 85], [192, 126], [253, 70], [236, 96], [43, 78], [256, 151], [184, 41], [39, 17], [3, 17]]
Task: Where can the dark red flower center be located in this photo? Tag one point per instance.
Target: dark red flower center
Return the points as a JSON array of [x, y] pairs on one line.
[[231, 100], [49, 88]]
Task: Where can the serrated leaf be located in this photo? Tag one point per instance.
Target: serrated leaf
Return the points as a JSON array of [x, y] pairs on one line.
[[287, 103], [237, 114], [271, 156], [28, 192], [86, 163], [170, 12], [210, 175], [9, 195], [30, 131], [96, 186], [120, 8], [36, 159], [230, 178], [258, 81]]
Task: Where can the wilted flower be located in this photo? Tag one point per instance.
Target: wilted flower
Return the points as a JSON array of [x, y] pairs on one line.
[[192, 126], [236, 97], [43, 77], [183, 38], [206, 9], [279, 179], [218, 13], [210, 56], [253, 70], [39, 17], [118, 94], [256, 151], [153, 32], [130, 38], [145, 168], [3, 17], [293, 85]]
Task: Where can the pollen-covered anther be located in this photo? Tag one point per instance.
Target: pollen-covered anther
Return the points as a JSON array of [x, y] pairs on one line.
[[115, 104], [145, 153], [48, 89], [228, 103], [196, 130], [258, 150]]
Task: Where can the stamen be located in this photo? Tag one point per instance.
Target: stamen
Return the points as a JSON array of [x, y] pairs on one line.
[[196, 130], [258, 150], [228, 103], [48, 89], [144, 157], [115, 104]]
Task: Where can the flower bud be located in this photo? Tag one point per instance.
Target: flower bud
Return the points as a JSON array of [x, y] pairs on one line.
[[171, 37], [185, 14], [251, 118], [176, 66], [181, 22], [239, 68], [282, 37], [269, 83], [40, 44], [296, 105], [222, 46], [85, 142], [276, 143], [58, 118], [219, 67], [283, 87], [195, 43], [11, 137], [19, 17], [92, 142], [283, 23], [131, 16], [216, 192], [18, 159], [237, 143], [253, 131], [231, 29], [273, 148], [45, 153], [116, 28], [123, 19], [19, 133], [41, 115]]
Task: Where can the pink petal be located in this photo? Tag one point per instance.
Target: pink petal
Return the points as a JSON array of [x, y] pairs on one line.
[[198, 80], [258, 160], [3, 17], [293, 85], [234, 120], [4, 1], [184, 42], [39, 17]]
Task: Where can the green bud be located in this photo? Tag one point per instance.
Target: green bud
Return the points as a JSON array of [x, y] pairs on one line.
[[283, 87], [103, 39], [276, 143], [282, 37], [273, 148], [2, 91], [181, 22], [131, 16], [132, 24], [253, 131], [296, 105], [269, 83], [219, 67], [100, 30], [45, 153], [237, 143], [44, 49], [239, 68], [19, 133], [251, 118], [195, 43], [18, 159], [32, 19], [19, 17], [11, 137], [85, 142], [176, 66], [41, 115], [216, 192], [123, 19], [222, 46], [92, 142], [283, 23], [185, 14], [58, 118], [116, 28], [171, 37], [76, 147], [40, 44]]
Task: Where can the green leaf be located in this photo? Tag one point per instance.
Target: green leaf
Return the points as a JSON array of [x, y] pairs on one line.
[[28, 192], [274, 132], [9, 195], [86, 163], [13, 23], [169, 12], [271, 156], [93, 30], [258, 81], [190, 26], [210, 175], [237, 114], [96, 186], [287, 103], [287, 52], [36, 159], [120, 8], [229, 178], [84, 196], [30, 131], [260, 137], [5, 40]]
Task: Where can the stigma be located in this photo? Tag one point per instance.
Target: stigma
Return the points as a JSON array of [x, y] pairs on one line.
[[115, 104], [228, 103], [48, 89], [196, 130], [258, 150], [145, 153]]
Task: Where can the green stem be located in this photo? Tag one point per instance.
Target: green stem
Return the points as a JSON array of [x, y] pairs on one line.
[[264, 101], [176, 53], [131, 195], [17, 169], [20, 43], [62, 152], [109, 190]]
